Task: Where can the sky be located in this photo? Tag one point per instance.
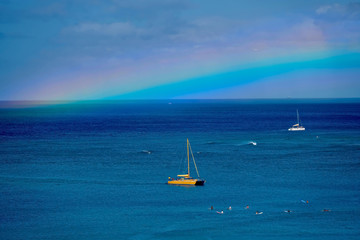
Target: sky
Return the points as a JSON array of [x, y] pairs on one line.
[[179, 49]]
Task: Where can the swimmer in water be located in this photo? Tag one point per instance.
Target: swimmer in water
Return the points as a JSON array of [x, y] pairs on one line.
[[247, 207], [326, 210], [229, 208]]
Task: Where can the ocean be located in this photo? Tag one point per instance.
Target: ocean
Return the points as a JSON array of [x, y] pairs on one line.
[[98, 170]]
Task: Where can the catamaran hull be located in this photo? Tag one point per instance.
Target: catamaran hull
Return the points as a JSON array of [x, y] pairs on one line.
[[187, 182], [200, 183], [297, 129]]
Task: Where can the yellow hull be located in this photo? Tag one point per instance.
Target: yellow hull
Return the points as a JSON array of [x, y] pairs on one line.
[[186, 182]]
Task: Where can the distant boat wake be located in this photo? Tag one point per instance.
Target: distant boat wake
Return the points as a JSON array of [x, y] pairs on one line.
[[252, 143], [146, 151]]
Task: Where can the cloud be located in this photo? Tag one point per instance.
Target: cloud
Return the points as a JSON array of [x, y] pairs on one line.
[[323, 9], [306, 31], [125, 26], [150, 6], [203, 30], [22, 11], [340, 11], [339, 23], [53, 10], [111, 29]]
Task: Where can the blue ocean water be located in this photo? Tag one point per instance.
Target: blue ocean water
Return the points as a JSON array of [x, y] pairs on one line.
[[97, 170]]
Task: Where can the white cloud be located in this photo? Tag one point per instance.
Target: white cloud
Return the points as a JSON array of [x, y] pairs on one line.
[[350, 10], [306, 31], [334, 9], [112, 29], [323, 9], [339, 23], [205, 30]]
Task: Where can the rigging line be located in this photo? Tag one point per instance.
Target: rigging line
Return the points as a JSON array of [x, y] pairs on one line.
[[194, 161]]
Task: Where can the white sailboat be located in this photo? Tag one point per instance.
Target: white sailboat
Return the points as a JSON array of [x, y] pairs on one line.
[[297, 127]]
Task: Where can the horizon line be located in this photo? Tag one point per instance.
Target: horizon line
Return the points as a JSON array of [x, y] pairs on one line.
[[39, 103], [176, 99]]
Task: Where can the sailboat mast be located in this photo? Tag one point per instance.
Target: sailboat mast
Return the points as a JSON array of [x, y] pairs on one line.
[[297, 112], [188, 157]]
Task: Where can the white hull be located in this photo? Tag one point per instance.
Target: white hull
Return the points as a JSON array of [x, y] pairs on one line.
[[297, 129]]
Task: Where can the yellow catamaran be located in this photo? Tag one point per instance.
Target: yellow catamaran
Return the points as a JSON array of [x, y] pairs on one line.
[[185, 179]]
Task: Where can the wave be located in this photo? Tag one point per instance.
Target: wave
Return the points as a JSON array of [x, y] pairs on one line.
[[146, 151], [253, 143]]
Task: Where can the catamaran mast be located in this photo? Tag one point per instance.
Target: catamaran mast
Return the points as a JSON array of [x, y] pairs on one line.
[[188, 157], [297, 112]]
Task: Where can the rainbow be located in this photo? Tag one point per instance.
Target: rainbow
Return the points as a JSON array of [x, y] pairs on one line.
[[320, 74]]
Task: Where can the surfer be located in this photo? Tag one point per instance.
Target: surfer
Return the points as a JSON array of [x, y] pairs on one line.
[[229, 208], [257, 212], [222, 212]]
